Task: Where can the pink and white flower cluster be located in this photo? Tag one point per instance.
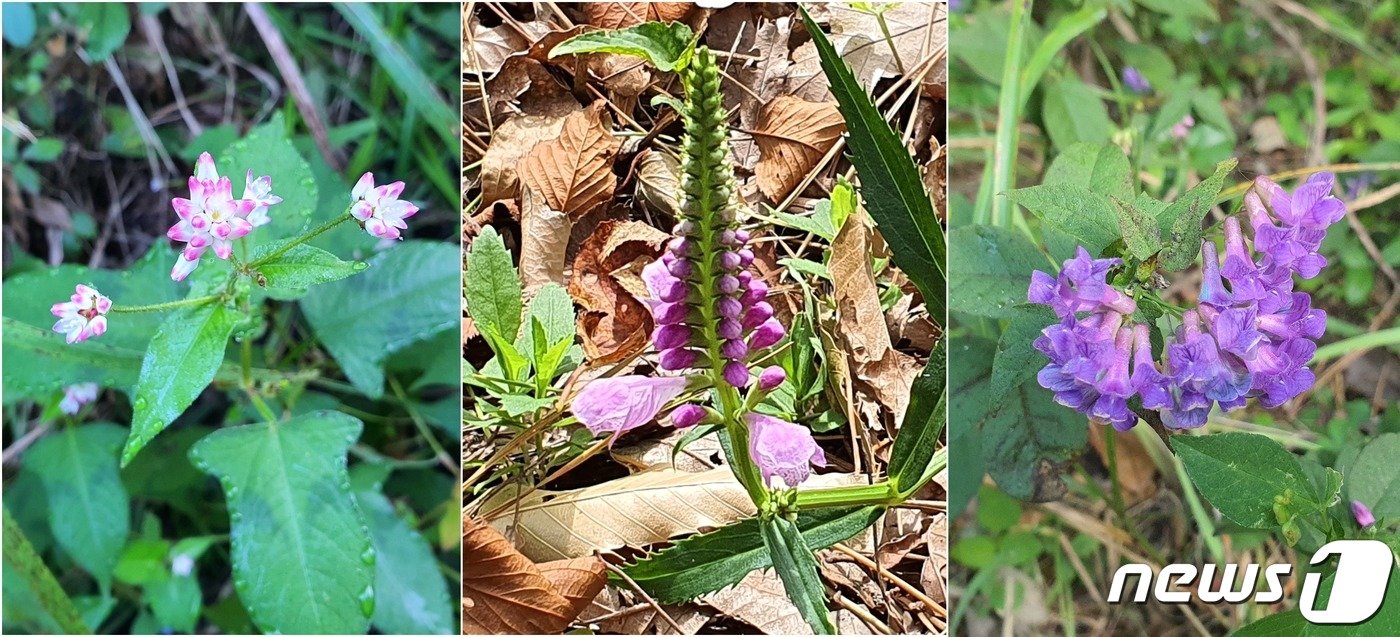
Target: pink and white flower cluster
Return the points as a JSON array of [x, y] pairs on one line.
[[379, 209], [211, 217], [82, 317]]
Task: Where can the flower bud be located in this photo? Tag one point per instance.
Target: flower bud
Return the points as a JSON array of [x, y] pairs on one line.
[[734, 349], [736, 374], [729, 308], [729, 328], [770, 332], [670, 313], [729, 260], [677, 359], [757, 291], [757, 314], [671, 336], [1362, 513], [687, 416], [728, 284], [771, 377]]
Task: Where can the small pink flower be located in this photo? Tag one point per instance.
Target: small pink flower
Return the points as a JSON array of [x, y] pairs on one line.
[[83, 317], [1362, 513], [1183, 128], [211, 217], [380, 209], [782, 450], [259, 191], [75, 396], [622, 403]]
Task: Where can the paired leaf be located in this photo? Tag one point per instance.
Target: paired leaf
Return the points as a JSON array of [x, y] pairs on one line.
[[184, 356], [1242, 473], [409, 293], [667, 46], [410, 593], [491, 286], [705, 563], [796, 565], [890, 182], [302, 557], [89, 511], [1182, 219]]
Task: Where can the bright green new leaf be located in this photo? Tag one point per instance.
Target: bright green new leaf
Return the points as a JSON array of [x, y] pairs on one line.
[[667, 46], [410, 593], [302, 558], [302, 267], [491, 286], [88, 506], [184, 356], [409, 293], [923, 424], [1242, 473]]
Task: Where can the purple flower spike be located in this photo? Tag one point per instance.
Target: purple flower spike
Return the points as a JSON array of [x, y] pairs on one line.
[[734, 350], [1147, 381], [771, 377], [770, 332], [745, 257], [621, 403], [757, 291], [687, 416], [729, 328], [782, 450], [1362, 513], [677, 359], [671, 336], [1081, 287], [1115, 388], [736, 374]]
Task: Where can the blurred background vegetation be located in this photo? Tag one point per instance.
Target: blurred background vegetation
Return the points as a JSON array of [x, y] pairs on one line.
[[106, 108], [1179, 85]]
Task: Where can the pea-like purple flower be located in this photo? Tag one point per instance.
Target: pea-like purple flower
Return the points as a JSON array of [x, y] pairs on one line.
[[1362, 513], [1134, 80]]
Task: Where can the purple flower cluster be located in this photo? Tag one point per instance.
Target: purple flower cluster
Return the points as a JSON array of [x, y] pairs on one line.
[[1251, 336], [688, 276]]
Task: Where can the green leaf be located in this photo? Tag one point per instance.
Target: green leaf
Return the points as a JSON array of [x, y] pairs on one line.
[[796, 565], [175, 601], [1182, 219], [1286, 624], [266, 150], [1017, 360], [410, 593], [105, 27], [554, 309], [1028, 439], [817, 223], [923, 424], [89, 510], [302, 558], [182, 360], [992, 267], [1102, 168], [1374, 478], [667, 46], [415, 86], [1242, 473], [709, 562], [409, 292], [1086, 215], [302, 267], [1139, 228], [491, 286], [41, 362], [891, 186], [1074, 113], [512, 362]]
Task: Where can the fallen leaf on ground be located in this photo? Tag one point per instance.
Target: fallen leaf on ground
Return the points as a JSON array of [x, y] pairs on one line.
[[911, 34], [614, 615], [544, 240], [619, 15], [613, 323], [792, 136], [577, 580], [524, 86], [574, 171], [659, 181], [1137, 473], [491, 46], [659, 453], [504, 592], [510, 142], [933, 577], [759, 601]]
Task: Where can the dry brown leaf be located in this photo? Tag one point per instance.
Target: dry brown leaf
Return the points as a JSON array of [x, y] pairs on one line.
[[659, 181], [913, 33], [525, 86], [544, 239], [619, 15], [613, 615], [510, 142], [933, 577], [759, 601], [1137, 473], [659, 453], [792, 136], [503, 592], [613, 323], [574, 172], [489, 47], [577, 580]]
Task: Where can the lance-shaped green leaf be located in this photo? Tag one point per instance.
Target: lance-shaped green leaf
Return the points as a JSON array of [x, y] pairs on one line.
[[796, 565], [1140, 233], [923, 424], [302, 558], [88, 506], [668, 46], [184, 355], [1242, 474], [302, 267], [409, 293], [410, 594], [709, 562], [491, 286], [890, 183], [1182, 219]]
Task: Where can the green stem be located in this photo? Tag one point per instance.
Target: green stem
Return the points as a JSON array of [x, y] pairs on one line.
[[161, 307], [1383, 338], [20, 554], [258, 403], [889, 40], [316, 232], [1008, 118], [881, 493]]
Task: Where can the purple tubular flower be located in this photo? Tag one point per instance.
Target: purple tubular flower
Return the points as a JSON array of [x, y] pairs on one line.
[[677, 359], [621, 403], [736, 373], [1201, 376], [671, 336], [1362, 513], [1133, 79], [1291, 246], [771, 377], [1149, 383], [782, 450], [687, 416], [767, 334], [1115, 387], [1081, 287]]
